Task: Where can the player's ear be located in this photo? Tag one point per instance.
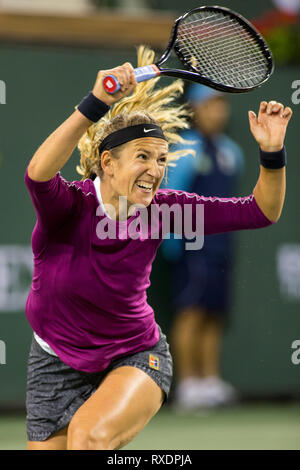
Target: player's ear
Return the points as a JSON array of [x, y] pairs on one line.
[[107, 163]]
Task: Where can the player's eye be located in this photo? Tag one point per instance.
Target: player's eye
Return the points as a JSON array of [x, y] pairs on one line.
[[142, 156], [162, 160]]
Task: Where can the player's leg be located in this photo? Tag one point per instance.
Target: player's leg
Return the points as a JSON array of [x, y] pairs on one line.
[[118, 410], [54, 393], [57, 441]]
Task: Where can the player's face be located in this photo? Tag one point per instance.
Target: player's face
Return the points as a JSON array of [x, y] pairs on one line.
[[139, 170], [211, 116]]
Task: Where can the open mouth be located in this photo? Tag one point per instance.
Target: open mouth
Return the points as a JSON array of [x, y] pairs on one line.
[[146, 187]]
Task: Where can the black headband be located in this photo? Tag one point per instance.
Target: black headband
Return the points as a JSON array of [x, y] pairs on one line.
[[130, 133]]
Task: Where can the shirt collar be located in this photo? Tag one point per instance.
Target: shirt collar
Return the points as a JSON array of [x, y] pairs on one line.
[[97, 184]]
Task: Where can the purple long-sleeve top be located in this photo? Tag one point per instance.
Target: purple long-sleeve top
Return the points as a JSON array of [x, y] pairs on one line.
[[88, 298]]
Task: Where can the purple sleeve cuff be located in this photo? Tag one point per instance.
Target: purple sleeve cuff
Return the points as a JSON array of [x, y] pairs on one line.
[[39, 186]]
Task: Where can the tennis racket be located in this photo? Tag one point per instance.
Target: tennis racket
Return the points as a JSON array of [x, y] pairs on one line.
[[217, 47]]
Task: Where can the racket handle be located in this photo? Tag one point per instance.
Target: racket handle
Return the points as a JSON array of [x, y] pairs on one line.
[[111, 84]]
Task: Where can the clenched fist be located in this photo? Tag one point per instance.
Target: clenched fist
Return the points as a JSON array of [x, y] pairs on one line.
[[125, 75]]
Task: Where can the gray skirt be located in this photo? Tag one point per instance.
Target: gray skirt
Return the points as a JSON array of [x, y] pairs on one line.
[[55, 391]]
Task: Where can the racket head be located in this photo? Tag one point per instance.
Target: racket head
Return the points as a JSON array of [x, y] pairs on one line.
[[220, 49]]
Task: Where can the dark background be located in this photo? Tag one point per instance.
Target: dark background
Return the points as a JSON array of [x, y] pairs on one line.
[[44, 83]]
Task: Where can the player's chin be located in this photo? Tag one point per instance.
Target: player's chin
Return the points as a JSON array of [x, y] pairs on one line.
[[143, 197], [144, 200]]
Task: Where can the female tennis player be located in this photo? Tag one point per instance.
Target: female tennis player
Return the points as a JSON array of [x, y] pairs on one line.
[[99, 367]]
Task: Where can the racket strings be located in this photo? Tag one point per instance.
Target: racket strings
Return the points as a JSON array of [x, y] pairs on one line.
[[227, 55], [214, 27], [238, 67], [225, 52], [250, 40], [216, 70], [221, 49]]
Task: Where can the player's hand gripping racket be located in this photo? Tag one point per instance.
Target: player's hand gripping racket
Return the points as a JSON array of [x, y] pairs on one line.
[[217, 47]]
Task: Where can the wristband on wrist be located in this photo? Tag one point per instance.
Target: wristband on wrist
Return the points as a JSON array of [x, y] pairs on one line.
[[92, 108], [273, 160]]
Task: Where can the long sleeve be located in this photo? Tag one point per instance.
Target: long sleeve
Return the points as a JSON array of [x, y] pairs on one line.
[[231, 214], [220, 214]]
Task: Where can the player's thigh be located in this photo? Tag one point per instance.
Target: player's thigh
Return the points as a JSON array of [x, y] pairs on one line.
[[122, 405], [57, 441]]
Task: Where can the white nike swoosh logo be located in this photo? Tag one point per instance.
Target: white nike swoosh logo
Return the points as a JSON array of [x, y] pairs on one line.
[[148, 130]]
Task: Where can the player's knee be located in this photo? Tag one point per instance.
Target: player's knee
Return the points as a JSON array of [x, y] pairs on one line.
[[100, 439], [81, 438], [77, 436]]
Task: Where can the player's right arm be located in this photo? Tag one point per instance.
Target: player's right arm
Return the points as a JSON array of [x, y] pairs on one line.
[[56, 150]]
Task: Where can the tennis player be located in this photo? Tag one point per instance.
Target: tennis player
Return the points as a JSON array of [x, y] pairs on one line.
[[99, 367]]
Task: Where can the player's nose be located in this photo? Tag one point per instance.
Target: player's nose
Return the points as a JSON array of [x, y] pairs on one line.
[[153, 169]]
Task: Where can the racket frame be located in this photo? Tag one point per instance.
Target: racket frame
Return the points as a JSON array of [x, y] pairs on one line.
[[192, 74], [111, 84]]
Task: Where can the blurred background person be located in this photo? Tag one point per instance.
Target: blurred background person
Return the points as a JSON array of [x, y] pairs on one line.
[[201, 280]]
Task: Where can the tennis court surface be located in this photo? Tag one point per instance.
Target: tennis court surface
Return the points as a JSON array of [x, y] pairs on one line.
[[247, 426]]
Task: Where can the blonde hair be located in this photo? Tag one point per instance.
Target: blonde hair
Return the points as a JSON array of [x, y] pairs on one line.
[[144, 106]]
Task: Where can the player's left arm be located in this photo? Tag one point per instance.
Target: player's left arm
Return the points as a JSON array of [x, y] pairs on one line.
[[268, 129]]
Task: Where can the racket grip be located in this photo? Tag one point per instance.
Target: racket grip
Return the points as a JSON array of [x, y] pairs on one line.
[[111, 84]]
